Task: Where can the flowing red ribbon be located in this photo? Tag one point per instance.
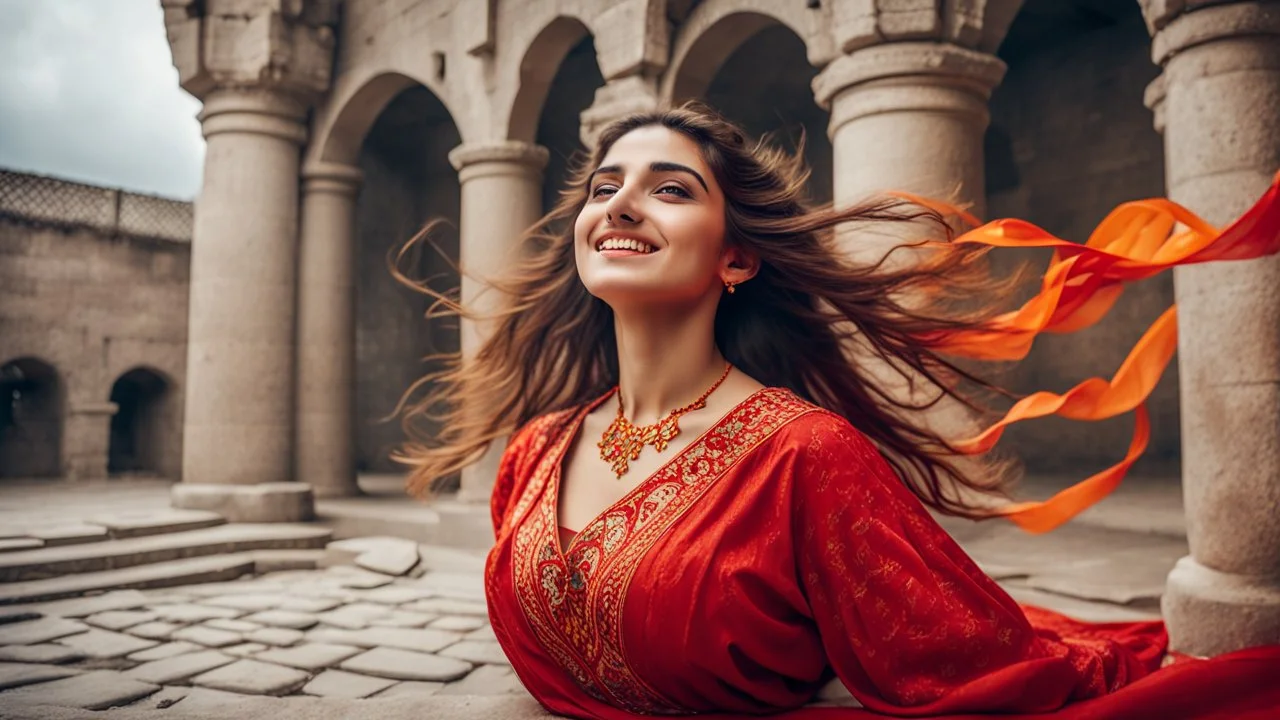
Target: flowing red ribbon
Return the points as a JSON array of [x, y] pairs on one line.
[[1136, 241]]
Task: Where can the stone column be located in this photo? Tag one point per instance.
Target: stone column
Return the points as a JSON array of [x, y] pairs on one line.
[[1218, 101], [240, 336], [501, 197], [909, 116], [86, 440], [257, 65], [324, 448]]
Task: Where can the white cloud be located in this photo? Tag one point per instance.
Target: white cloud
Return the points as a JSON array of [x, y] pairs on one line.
[[88, 92]]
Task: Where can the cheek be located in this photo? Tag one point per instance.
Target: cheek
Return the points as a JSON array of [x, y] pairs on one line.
[[704, 236], [582, 225]]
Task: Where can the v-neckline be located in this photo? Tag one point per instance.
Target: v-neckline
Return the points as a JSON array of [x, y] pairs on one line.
[[575, 428]]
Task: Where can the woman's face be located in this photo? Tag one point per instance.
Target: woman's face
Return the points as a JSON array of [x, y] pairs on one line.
[[652, 231]]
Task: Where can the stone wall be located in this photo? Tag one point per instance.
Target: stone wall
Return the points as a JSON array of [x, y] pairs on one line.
[[1070, 140], [93, 285]]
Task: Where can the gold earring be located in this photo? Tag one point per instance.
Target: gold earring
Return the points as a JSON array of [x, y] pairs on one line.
[[728, 286]]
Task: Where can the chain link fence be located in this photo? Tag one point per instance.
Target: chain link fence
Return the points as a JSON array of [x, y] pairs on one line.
[[37, 200]]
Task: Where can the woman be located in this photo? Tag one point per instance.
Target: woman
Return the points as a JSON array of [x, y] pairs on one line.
[[769, 534]]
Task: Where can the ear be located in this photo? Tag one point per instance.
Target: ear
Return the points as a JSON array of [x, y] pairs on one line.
[[738, 265]]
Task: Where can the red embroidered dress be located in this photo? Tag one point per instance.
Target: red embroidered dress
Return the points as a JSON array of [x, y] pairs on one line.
[[776, 550]]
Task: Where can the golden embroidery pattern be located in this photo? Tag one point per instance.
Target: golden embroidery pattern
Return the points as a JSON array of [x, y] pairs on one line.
[[574, 601]]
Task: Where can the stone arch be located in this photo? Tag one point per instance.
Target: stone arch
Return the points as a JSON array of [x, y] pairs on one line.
[[407, 183], [756, 70], [715, 29], [140, 441], [357, 105], [539, 65], [32, 415]]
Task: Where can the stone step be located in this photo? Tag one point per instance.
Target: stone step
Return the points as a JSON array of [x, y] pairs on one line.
[[121, 525], [48, 562], [365, 516], [171, 573], [446, 522]]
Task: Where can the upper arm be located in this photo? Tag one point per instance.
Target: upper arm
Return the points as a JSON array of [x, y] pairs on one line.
[[906, 618]]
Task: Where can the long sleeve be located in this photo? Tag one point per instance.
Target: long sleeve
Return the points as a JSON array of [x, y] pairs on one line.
[[909, 622]]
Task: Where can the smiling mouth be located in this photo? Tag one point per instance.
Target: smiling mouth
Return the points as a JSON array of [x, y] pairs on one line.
[[625, 245]]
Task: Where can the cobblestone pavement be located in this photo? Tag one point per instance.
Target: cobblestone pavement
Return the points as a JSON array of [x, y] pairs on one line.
[[338, 632], [392, 629]]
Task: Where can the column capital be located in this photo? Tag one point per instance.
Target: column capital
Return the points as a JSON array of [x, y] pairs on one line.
[[501, 157], [1178, 25], [282, 45], [254, 111], [617, 99], [322, 176], [1153, 97], [922, 76], [980, 25]]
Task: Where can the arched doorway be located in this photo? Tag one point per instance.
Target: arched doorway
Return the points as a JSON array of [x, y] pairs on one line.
[[755, 70], [571, 90], [31, 419], [1069, 140], [408, 181], [138, 428]]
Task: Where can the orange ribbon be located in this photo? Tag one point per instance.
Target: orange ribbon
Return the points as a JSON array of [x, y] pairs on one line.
[[1082, 283]]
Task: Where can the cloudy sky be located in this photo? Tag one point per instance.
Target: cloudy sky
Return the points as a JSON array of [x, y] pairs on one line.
[[88, 92]]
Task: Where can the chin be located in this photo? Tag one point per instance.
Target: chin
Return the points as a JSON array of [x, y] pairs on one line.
[[619, 294]]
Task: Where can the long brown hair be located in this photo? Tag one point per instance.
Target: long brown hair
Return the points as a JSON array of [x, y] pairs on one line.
[[808, 321]]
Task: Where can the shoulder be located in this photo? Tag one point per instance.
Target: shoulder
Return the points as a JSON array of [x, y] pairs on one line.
[[831, 462], [805, 441], [813, 431], [526, 447], [532, 438]]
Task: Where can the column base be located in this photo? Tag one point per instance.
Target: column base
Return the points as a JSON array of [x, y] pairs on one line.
[[478, 478], [262, 503], [346, 490], [1210, 612]]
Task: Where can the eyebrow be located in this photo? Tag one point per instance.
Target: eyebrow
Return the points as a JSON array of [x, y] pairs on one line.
[[660, 166]]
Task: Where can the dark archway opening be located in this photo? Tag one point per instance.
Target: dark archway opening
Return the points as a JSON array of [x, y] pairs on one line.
[[31, 419], [765, 85], [1069, 140], [137, 433], [408, 181], [559, 124]]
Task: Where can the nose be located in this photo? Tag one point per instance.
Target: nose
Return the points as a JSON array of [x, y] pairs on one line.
[[621, 210]]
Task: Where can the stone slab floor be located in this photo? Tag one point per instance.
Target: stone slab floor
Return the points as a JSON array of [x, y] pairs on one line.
[[348, 642]]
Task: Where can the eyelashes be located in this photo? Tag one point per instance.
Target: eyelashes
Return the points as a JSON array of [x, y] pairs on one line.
[[678, 191]]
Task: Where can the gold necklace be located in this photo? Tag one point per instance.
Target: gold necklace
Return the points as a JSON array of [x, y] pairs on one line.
[[622, 441]]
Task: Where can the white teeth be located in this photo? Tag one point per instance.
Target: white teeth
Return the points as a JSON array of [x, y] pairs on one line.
[[625, 244]]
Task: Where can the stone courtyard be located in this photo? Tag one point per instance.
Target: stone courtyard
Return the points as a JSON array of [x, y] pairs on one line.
[[118, 601]]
